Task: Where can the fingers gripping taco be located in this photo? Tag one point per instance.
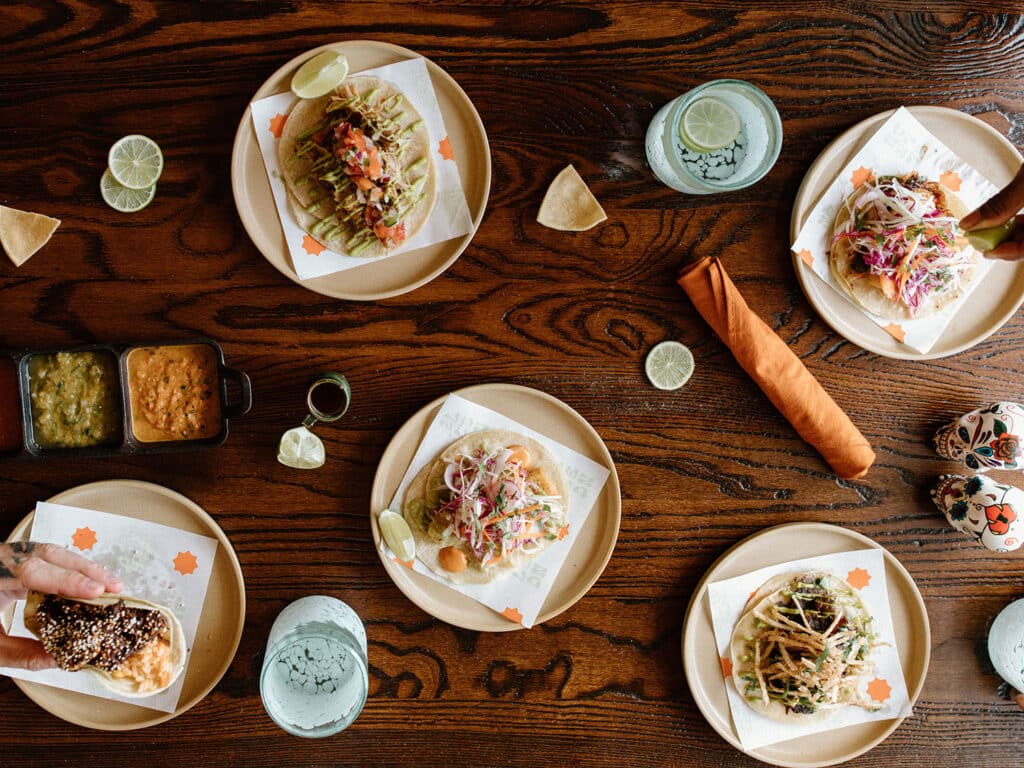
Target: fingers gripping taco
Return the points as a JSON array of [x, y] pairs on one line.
[[804, 648], [490, 502], [357, 166], [897, 248], [133, 647]]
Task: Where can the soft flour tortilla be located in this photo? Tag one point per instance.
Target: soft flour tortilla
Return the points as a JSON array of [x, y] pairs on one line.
[[866, 291], [427, 492], [771, 592], [309, 112], [123, 687]]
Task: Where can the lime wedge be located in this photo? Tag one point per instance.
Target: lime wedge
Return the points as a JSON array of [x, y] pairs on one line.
[[397, 535], [669, 365], [123, 199], [301, 449], [988, 238], [135, 161], [709, 124], [320, 75]]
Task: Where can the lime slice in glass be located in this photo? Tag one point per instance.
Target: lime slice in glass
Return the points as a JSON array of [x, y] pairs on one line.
[[709, 124], [397, 535], [301, 449], [988, 238], [669, 365], [135, 161], [121, 198], [320, 75]]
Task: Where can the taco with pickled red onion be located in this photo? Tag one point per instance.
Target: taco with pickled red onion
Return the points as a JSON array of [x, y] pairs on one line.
[[131, 646], [357, 166], [489, 503], [803, 648], [897, 249]]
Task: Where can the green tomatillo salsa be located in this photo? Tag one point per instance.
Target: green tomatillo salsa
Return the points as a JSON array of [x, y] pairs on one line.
[[75, 399]]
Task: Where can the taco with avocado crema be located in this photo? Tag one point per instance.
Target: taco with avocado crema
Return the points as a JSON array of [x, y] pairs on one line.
[[490, 502], [132, 646], [357, 167], [803, 649], [897, 249]]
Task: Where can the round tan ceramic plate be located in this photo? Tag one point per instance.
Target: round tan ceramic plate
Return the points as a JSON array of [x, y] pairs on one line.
[[778, 545], [592, 548], [397, 274], [220, 626], [979, 145]]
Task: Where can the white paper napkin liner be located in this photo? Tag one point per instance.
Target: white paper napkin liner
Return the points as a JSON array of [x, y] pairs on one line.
[[727, 599], [141, 553], [450, 216], [526, 588], [899, 146]]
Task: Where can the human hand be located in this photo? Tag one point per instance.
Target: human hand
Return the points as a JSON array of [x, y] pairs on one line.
[[48, 568], [999, 209]]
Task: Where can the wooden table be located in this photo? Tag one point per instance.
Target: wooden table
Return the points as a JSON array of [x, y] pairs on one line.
[[573, 315]]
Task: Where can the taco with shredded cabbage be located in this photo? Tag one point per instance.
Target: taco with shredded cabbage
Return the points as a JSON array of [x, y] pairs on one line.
[[897, 249], [357, 167], [489, 503]]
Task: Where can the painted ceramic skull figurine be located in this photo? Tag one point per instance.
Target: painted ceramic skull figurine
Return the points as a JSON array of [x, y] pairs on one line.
[[986, 438], [983, 508]]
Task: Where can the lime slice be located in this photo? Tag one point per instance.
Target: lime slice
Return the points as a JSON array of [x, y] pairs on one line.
[[988, 238], [709, 124], [397, 535], [320, 75], [135, 161], [669, 365], [123, 199], [301, 449]]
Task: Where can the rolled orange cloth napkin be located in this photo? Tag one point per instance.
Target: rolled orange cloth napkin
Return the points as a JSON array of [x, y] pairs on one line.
[[776, 370]]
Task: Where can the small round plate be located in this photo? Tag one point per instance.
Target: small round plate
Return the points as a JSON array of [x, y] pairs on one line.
[[982, 147], [778, 545], [220, 626], [396, 274], [592, 548]]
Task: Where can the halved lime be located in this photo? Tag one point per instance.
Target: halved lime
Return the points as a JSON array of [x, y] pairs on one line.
[[320, 75], [669, 365], [988, 238], [135, 161], [709, 124], [397, 535], [123, 199], [301, 449]]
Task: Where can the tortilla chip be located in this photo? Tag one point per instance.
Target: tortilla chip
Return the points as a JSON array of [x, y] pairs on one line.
[[22, 233], [569, 205]]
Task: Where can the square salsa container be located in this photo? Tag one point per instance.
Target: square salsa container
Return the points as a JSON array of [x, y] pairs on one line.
[[121, 437]]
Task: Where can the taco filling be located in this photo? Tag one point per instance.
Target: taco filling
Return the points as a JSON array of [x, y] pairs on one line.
[[805, 649], [901, 237]]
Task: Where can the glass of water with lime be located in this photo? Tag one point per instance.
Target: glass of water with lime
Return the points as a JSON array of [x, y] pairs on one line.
[[721, 136]]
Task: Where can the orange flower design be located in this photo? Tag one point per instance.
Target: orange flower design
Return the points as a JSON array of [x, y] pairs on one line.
[[896, 331], [806, 257], [726, 666], [311, 246], [951, 180], [563, 532], [513, 614], [858, 578], [277, 124], [84, 538], [185, 563], [999, 517], [406, 563], [445, 148], [879, 690], [861, 175]]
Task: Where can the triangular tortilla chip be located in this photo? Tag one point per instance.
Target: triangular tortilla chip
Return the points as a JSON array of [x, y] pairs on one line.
[[22, 233], [569, 205]]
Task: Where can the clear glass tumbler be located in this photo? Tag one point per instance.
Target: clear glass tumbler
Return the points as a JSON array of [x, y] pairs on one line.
[[314, 679]]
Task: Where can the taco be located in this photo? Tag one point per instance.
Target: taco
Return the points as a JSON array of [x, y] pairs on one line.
[[897, 249], [131, 646], [489, 503], [357, 167], [803, 650]]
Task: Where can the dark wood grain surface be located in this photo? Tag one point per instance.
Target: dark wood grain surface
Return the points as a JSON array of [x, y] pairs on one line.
[[573, 315]]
